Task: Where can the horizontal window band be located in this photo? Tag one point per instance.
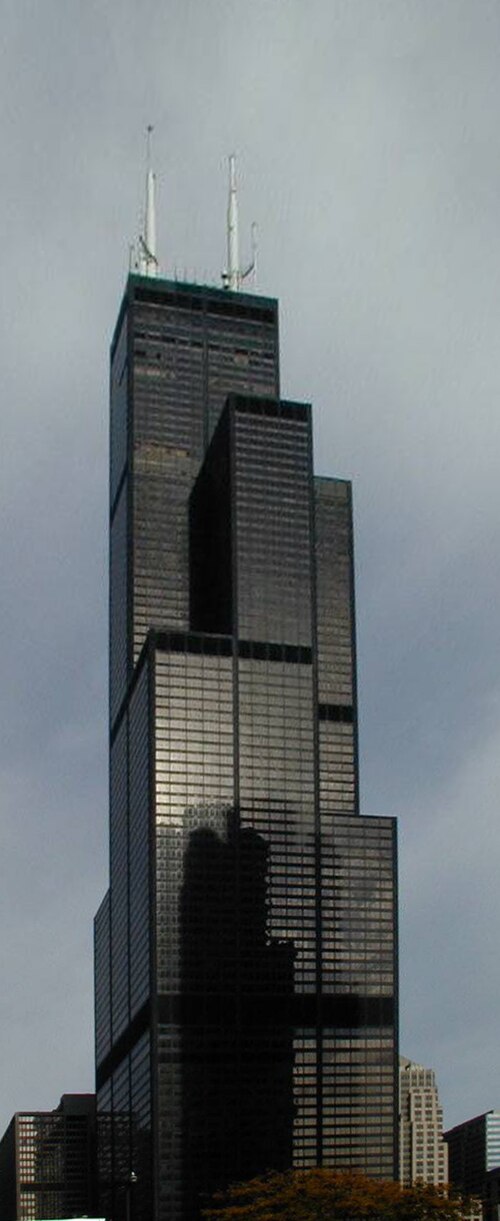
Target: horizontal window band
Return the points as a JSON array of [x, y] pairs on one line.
[[211, 301], [222, 646], [261, 651], [265, 1012], [336, 712], [270, 1010], [193, 642], [273, 408]]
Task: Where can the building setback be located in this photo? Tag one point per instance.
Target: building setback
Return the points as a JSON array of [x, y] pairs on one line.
[[245, 950], [47, 1162], [423, 1154]]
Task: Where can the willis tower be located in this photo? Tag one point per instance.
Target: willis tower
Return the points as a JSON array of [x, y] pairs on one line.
[[245, 963]]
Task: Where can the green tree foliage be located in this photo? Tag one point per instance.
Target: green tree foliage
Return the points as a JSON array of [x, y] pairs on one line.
[[327, 1195]]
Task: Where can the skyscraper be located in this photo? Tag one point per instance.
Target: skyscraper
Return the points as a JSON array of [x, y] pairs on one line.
[[423, 1154], [245, 951]]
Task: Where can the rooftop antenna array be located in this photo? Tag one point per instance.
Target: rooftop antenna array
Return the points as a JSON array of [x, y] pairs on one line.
[[142, 253], [144, 257], [234, 275]]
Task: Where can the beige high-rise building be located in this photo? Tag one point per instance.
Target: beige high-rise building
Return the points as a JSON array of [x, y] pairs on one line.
[[423, 1154]]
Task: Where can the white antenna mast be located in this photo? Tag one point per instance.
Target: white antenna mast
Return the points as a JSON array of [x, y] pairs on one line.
[[147, 261], [235, 274], [233, 245]]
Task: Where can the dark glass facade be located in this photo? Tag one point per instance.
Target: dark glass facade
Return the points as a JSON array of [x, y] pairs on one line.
[[176, 354], [474, 1151], [245, 952]]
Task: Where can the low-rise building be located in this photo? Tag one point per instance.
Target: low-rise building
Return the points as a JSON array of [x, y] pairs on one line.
[[473, 1151], [47, 1162]]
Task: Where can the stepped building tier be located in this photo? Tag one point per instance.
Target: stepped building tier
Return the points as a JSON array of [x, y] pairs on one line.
[[245, 951]]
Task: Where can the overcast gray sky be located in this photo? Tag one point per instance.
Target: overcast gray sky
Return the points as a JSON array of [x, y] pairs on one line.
[[368, 137]]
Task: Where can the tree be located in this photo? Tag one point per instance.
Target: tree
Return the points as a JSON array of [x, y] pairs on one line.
[[327, 1195]]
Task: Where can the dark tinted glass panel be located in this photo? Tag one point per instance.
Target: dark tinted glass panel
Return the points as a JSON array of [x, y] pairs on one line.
[[168, 440], [277, 795], [271, 497], [121, 1137], [119, 411], [119, 882], [194, 781], [139, 843], [337, 769], [242, 355], [185, 360], [359, 1100], [162, 483], [358, 960], [336, 646], [102, 978], [118, 641], [141, 1129], [358, 906], [335, 590], [105, 1149]]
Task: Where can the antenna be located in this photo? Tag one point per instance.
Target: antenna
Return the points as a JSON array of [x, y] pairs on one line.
[[253, 239], [234, 276], [147, 260], [233, 252], [251, 270]]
